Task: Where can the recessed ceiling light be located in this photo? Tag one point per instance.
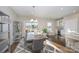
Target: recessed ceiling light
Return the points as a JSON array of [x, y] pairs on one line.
[[61, 8]]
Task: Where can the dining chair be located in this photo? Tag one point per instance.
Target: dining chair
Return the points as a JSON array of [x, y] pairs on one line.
[[27, 44], [37, 45]]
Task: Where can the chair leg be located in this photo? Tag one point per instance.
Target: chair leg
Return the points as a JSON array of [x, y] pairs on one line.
[[44, 49]]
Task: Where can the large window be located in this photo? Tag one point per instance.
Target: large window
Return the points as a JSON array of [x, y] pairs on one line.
[[3, 27], [49, 25], [32, 24]]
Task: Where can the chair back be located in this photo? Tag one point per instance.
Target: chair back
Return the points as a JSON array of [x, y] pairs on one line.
[[37, 44]]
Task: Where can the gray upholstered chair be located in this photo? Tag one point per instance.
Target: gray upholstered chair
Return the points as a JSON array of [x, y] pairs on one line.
[[27, 44], [37, 45]]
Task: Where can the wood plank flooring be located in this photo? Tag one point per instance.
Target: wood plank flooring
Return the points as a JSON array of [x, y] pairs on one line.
[[13, 46]]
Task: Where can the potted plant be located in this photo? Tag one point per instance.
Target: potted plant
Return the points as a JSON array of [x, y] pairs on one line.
[[45, 30], [17, 28]]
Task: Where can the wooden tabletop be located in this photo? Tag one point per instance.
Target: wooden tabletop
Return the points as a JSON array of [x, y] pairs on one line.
[[59, 48], [36, 37]]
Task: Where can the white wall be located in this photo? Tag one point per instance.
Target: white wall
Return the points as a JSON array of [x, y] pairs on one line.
[[72, 23], [13, 17]]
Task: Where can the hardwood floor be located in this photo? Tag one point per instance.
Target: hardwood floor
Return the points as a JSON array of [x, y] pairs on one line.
[[13, 46], [57, 40], [59, 48]]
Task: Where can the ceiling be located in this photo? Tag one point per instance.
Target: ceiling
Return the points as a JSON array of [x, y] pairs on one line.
[[53, 12]]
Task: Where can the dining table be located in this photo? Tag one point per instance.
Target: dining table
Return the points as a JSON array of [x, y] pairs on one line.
[[32, 36], [37, 41]]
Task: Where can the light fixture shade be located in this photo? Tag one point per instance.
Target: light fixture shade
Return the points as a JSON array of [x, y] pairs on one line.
[[31, 20]]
